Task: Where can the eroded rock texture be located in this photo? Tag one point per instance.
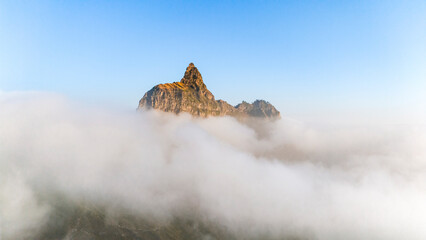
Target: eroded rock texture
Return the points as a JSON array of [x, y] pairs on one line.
[[192, 96]]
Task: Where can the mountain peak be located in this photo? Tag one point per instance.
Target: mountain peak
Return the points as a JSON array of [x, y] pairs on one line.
[[191, 95], [193, 77]]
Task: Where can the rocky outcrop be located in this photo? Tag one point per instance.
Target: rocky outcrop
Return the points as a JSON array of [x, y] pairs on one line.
[[259, 108], [192, 96]]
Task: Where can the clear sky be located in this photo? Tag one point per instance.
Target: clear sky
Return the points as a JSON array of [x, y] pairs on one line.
[[314, 60]]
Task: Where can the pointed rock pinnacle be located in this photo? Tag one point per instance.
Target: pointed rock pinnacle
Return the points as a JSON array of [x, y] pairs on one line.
[[193, 77]]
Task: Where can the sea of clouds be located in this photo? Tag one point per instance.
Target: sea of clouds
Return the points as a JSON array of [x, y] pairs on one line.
[[277, 179]]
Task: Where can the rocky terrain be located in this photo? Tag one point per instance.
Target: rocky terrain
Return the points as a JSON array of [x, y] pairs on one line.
[[192, 96]]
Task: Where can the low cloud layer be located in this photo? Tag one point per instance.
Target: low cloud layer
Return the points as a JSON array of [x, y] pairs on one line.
[[257, 179]]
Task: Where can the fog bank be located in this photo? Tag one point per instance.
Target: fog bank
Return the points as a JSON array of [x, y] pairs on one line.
[[277, 179]]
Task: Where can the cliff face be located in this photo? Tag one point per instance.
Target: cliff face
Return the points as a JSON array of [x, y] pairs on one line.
[[192, 96]]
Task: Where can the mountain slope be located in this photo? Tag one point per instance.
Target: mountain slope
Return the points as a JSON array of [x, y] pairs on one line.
[[72, 221]]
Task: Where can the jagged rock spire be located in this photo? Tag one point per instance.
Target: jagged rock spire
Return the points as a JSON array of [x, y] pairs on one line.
[[193, 77], [191, 95]]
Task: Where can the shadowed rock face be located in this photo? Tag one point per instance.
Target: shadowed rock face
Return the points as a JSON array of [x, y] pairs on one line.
[[192, 96]]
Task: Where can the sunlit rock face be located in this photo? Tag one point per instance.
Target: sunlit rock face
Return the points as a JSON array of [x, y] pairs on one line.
[[192, 96]]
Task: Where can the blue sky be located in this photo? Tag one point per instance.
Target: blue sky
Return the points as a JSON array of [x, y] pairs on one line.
[[314, 60]]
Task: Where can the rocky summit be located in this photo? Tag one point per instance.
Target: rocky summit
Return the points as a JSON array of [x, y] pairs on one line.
[[192, 96]]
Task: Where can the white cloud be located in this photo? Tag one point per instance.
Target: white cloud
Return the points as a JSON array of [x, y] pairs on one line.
[[280, 179]]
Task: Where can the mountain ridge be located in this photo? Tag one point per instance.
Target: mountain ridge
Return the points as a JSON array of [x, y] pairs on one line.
[[192, 96]]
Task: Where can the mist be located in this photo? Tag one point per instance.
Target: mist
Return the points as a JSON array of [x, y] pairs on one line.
[[281, 179]]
